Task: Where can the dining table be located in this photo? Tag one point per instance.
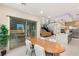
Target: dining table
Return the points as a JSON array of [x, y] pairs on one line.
[[54, 48]]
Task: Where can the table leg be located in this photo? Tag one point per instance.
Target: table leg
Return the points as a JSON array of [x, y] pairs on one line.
[[56, 54], [49, 54]]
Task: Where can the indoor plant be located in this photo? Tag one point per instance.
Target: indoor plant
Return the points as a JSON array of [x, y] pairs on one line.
[[3, 39]]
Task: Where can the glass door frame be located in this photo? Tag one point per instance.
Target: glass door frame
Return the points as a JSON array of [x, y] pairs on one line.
[[27, 37]]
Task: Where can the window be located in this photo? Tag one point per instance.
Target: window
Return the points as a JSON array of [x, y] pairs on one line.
[[20, 26]]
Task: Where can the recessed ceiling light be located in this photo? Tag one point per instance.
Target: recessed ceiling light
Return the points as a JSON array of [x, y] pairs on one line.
[[41, 12], [49, 16]]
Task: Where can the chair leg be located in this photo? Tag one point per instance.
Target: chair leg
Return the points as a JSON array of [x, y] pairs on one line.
[[26, 52]]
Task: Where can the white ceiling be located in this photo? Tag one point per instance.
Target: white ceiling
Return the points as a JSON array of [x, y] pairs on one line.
[[49, 9]]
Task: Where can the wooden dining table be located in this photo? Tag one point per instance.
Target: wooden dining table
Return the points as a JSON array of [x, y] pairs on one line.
[[53, 48]]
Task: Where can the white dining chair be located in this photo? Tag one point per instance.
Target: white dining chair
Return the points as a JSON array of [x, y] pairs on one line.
[[63, 39], [39, 51], [28, 47]]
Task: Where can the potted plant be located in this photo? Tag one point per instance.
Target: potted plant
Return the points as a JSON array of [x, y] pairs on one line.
[[3, 39]]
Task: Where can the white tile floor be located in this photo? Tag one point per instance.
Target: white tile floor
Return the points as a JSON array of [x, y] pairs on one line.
[[72, 50], [20, 51]]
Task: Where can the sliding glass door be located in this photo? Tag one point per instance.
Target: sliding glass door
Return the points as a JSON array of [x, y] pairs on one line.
[[17, 32], [20, 30]]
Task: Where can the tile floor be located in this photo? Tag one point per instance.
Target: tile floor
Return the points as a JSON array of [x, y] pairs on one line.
[[72, 49]]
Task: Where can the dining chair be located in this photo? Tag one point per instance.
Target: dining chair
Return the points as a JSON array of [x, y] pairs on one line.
[[39, 51], [28, 47], [62, 38]]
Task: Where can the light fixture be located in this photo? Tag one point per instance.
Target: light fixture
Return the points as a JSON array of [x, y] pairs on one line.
[[41, 12]]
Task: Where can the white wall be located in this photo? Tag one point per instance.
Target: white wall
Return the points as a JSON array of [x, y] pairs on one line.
[[6, 11]]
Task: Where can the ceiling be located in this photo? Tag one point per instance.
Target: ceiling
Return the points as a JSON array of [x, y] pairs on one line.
[[51, 10]]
